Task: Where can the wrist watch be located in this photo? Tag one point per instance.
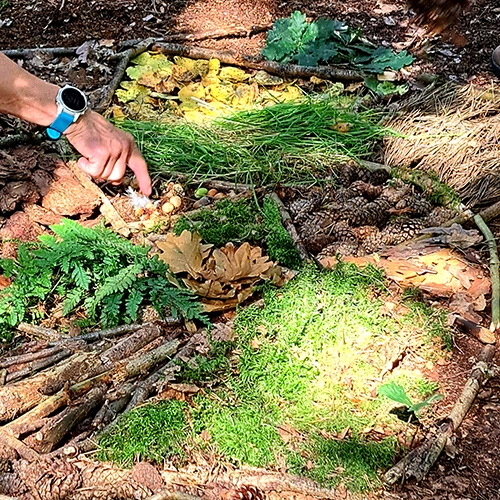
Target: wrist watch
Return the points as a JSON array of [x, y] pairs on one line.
[[71, 104]]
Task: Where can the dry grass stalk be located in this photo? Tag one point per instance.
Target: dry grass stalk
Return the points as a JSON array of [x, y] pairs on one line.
[[454, 132]]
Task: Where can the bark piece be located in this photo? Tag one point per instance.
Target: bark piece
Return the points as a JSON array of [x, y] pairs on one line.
[[477, 331], [39, 331], [67, 196]]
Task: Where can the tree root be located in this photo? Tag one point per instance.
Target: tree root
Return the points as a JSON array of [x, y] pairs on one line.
[[419, 461]]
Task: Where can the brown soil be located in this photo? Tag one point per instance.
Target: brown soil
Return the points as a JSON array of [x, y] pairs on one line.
[[462, 54]]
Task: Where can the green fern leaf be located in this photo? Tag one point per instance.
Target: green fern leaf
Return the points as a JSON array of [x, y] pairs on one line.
[[133, 302]]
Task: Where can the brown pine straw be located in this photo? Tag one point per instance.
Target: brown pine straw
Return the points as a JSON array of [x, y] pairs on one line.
[[453, 131]]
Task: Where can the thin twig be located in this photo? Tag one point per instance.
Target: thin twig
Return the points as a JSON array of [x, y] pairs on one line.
[[288, 224], [494, 270], [420, 460]]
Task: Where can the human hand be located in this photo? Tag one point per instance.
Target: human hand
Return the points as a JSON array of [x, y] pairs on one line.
[[107, 151]]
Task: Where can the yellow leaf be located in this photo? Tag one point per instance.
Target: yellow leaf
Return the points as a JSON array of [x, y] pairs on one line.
[[244, 95], [264, 78], [196, 90], [132, 91], [153, 62], [185, 62], [184, 253], [233, 74], [223, 92]]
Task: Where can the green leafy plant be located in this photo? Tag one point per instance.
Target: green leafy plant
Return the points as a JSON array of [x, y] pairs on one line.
[[91, 269], [295, 40], [397, 393]]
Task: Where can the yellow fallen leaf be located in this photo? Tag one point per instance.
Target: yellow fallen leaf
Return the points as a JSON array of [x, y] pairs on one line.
[[230, 74], [223, 92], [244, 95], [196, 90]]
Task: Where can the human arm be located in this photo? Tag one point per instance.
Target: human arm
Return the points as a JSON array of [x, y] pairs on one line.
[[106, 151]]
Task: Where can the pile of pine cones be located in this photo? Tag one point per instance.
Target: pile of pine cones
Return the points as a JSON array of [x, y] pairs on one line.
[[366, 213]]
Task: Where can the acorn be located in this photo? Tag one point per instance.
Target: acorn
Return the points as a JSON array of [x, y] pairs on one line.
[[176, 201], [167, 208]]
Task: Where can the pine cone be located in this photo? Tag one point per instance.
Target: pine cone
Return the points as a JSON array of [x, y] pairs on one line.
[[245, 492], [415, 206], [341, 248], [394, 233]]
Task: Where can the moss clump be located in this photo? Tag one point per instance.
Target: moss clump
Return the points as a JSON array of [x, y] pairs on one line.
[[241, 221]]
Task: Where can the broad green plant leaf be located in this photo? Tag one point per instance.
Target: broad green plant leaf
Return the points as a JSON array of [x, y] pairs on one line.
[[395, 392]]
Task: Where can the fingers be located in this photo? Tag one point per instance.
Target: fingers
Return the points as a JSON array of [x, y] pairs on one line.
[[138, 165]]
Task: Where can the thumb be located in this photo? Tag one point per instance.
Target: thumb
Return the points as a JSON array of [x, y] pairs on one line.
[[90, 167]]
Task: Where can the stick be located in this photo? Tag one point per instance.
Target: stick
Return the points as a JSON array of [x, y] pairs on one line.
[[39, 331], [32, 356], [104, 334], [125, 58], [53, 51], [23, 450], [288, 223], [54, 431], [38, 365], [494, 270], [287, 70], [420, 460], [477, 331]]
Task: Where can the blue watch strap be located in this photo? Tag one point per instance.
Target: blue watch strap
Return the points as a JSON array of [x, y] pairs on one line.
[[59, 125]]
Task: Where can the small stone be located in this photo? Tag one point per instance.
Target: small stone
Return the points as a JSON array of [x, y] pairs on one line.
[[167, 208]]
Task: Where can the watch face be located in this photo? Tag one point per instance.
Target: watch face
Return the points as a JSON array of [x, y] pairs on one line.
[[73, 99]]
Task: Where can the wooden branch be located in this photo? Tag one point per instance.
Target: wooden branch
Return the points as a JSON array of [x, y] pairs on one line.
[[32, 356], [39, 332], [125, 59], [59, 426], [477, 331], [38, 365], [103, 334], [420, 460], [289, 226], [286, 70], [494, 271], [23, 450], [53, 51], [145, 362]]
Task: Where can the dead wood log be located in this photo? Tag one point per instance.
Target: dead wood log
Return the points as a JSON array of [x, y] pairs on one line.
[[289, 226], [285, 70], [17, 398], [477, 331], [28, 421], [39, 332], [104, 334], [419, 461], [59, 426], [22, 449], [38, 365]]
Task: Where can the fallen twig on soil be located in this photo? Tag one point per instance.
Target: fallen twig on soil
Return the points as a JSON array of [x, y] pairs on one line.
[[477, 331], [53, 51], [12, 141], [494, 270], [288, 224], [285, 70], [39, 332], [125, 57], [419, 461]]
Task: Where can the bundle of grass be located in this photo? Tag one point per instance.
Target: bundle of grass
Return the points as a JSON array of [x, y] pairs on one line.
[[288, 142], [453, 132]]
